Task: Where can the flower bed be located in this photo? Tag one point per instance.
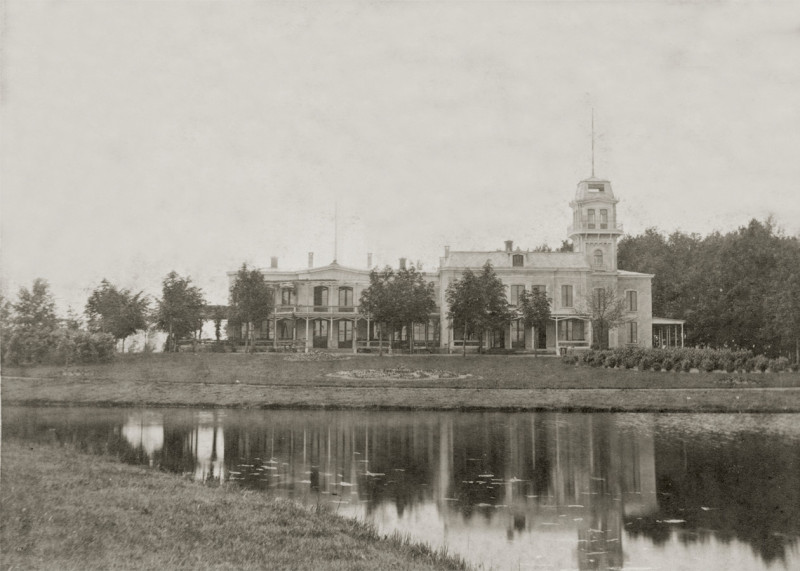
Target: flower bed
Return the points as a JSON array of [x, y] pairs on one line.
[[318, 356], [398, 373]]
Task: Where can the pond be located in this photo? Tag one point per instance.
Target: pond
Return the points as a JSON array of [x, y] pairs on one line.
[[504, 490]]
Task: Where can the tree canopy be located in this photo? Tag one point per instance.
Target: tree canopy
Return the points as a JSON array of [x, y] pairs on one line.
[[116, 311], [535, 309], [394, 298], [251, 301], [735, 290], [180, 309], [478, 303]]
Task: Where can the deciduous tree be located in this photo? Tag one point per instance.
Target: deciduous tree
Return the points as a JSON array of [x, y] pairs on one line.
[[535, 308], [250, 302], [180, 309], [116, 311]]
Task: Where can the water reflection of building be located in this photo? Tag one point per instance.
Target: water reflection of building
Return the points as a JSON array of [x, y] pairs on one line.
[[145, 430], [557, 474], [207, 445]]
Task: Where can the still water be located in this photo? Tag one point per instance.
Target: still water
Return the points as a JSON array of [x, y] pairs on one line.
[[504, 490]]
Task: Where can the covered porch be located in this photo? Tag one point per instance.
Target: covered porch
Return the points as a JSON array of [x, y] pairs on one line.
[[668, 332]]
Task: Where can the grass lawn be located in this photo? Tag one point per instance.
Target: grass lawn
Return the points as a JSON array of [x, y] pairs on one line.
[[62, 509], [495, 383]]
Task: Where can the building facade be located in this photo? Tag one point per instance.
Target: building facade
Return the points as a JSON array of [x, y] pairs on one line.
[[318, 307]]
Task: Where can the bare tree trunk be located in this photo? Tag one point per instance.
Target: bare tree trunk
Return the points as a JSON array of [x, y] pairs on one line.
[[534, 342]]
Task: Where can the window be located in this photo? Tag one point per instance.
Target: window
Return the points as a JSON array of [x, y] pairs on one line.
[[603, 218], [345, 331], [597, 187], [599, 300], [591, 218], [345, 297], [286, 296], [631, 303], [571, 330], [284, 330], [633, 333], [516, 293], [598, 259], [320, 297], [566, 296], [518, 334], [517, 260]]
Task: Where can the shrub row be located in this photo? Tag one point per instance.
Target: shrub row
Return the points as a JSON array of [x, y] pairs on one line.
[[58, 347], [680, 359]]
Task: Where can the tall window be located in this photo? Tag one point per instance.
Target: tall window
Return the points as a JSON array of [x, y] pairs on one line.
[[320, 296], [345, 331], [571, 330], [517, 334], [345, 297], [516, 292], [598, 258], [603, 218], [517, 260], [631, 303], [284, 330], [591, 217], [633, 333], [566, 296], [286, 296], [599, 299]]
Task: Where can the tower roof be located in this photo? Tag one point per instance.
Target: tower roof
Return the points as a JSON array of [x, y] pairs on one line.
[[594, 188]]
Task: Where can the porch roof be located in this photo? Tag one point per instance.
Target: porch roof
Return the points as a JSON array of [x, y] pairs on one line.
[[667, 321]]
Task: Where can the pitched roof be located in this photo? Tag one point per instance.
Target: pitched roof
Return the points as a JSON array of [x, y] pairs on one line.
[[502, 259]]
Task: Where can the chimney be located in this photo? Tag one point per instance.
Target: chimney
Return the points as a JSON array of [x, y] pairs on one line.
[[509, 245], [273, 263], [402, 263], [447, 251], [311, 259], [369, 260]]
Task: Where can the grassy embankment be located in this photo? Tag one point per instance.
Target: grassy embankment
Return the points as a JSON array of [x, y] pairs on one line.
[[62, 509], [496, 383]]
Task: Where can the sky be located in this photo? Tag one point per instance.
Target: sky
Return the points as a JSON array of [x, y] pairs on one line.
[[137, 138]]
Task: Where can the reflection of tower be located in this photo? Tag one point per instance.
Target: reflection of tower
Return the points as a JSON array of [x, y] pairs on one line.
[[145, 430], [207, 443]]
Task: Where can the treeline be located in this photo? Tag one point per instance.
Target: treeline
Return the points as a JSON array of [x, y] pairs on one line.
[[739, 290], [32, 333]]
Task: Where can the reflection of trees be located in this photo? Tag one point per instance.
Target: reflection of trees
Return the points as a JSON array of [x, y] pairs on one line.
[[578, 475], [748, 489]]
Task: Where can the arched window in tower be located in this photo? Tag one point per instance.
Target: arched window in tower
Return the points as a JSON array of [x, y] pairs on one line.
[[598, 258]]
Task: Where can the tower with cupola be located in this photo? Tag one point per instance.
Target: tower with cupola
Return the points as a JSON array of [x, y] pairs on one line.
[[594, 231]]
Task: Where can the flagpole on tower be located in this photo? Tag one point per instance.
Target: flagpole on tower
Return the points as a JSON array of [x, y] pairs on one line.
[[592, 142]]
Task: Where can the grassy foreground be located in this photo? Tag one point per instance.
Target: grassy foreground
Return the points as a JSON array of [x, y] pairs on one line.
[[62, 509], [495, 383]]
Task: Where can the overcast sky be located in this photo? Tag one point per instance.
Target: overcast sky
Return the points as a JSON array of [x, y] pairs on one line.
[[142, 137]]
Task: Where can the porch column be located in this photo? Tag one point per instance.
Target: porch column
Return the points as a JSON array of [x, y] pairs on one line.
[[509, 331], [590, 336], [330, 335], [355, 336], [557, 347], [275, 332], [308, 339], [368, 333], [681, 334]]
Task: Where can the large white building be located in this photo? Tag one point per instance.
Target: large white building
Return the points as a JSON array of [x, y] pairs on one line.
[[317, 307]]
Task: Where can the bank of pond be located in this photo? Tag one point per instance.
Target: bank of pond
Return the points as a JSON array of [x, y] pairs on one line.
[[498, 490]]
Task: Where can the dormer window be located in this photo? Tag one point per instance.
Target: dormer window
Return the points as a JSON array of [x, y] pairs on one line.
[[598, 259], [596, 187], [591, 220], [517, 260]]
